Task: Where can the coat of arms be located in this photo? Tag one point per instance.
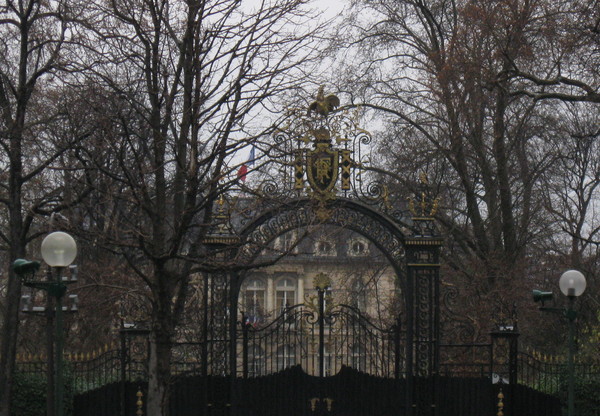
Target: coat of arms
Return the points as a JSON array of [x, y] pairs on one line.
[[322, 167]]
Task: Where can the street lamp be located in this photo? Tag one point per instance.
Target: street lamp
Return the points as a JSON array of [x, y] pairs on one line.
[[58, 251], [572, 284]]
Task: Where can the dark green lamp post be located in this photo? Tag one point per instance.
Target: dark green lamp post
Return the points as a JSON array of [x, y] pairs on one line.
[[58, 251], [572, 284]]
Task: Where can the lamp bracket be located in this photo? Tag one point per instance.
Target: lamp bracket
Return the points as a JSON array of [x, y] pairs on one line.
[[548, 309], [568, 313], [54, 289]]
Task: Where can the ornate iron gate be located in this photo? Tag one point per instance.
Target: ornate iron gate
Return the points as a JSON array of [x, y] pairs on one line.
[[326, 353], [323, 183]]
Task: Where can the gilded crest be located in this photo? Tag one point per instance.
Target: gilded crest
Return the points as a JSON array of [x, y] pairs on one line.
[[322, 168]]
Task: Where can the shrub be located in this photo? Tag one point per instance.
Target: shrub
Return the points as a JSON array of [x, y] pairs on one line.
[[29, 394]]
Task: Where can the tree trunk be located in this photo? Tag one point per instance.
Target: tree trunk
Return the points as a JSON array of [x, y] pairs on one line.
[[13, 292], [9, 345], [159, 369]]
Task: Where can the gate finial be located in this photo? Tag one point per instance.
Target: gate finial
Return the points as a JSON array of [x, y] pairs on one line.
[[221, 232], [322, 281], [139, 403], [500, 404], [323, 105], [427, 207]]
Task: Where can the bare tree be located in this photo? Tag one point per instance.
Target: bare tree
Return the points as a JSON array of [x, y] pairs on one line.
[[34, 141], [440, 73], [570, 55], [187, 78], [573, 181]]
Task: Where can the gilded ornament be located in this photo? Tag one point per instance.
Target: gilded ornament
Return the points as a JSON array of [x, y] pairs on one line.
[[322, 281], [323, 105]]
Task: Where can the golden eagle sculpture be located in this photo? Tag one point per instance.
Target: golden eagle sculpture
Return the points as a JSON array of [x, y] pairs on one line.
[[324, 105]]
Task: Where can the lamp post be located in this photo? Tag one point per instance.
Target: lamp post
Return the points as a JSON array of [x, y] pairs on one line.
[[58, 251], [572, 284]]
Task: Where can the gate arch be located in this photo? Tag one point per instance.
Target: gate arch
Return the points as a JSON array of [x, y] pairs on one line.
[[380, 229], [413, 254]]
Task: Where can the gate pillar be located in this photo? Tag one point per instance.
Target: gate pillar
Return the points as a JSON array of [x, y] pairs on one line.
[[219, 308], [505, 343], [423, 299], [134, 353]]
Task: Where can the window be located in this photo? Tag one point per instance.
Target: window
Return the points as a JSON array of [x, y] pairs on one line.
[[359, 359], [286, 293], [286, 357], [358, 294], [325, 248], [254, 300], [358, 247], [328, 363], [287, 242], [256, 361]]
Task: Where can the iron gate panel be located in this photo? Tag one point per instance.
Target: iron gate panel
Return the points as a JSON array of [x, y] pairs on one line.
[[321, 343], [320, 359], [292, 392]]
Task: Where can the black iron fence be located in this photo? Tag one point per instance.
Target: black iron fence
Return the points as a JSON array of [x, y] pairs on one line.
[[549, 374], [108, 381], [467, 361]]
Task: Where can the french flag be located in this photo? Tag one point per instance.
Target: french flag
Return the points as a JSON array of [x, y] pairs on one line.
[[243, 170]]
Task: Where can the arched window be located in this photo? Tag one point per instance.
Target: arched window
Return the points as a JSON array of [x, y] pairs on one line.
[[324, 247], [358, 247], [286, 357], [254, 299], [285, 293]]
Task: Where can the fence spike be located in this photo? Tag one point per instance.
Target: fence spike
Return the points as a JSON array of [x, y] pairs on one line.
[[500, 404], [139, 403]]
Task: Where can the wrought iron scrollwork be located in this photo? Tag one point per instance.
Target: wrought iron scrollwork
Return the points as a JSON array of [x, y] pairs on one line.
[[303, 215], [323, 155], [455, 328]]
